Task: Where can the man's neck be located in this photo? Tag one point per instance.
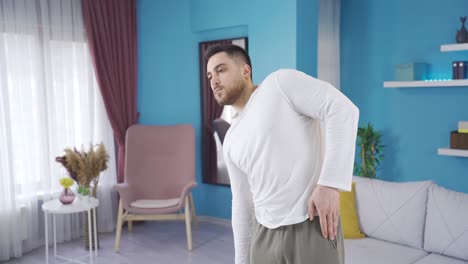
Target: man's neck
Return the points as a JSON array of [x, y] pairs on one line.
[[244, 98]]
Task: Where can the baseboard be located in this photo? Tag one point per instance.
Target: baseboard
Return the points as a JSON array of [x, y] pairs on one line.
[[214, 220]]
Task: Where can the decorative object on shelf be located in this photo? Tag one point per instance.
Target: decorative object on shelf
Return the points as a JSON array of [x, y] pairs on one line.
[[456, 81], [461, 69], [371, 151], [458, 140], [462, 126], [455, 70], [67, 196], [84, 167], [462, 34], [411, 71]]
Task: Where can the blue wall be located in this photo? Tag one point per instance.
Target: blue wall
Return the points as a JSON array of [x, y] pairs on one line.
[[168, 81], [307, 36], [270, 26], [376, 35]]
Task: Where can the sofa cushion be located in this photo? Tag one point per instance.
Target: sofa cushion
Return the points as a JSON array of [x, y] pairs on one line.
[[446, 223], [349, 218], [392, 211], [439, 259], [372, 251]]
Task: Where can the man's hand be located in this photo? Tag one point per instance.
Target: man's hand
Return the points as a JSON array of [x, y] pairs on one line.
[[326, 201]]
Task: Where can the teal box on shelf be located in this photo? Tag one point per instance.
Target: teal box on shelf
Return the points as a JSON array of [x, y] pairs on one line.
[[411, 71]]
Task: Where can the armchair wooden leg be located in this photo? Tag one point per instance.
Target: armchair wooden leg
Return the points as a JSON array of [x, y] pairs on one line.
[[192, 211], [130, 226], [187, 223], [118, 231]]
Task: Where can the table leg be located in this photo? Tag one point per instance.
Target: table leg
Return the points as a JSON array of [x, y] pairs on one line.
[[95, 233], [46, 238], [90, 238], [55, 238]]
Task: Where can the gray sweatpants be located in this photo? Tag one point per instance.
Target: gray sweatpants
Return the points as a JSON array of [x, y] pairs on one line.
[[300, 243]]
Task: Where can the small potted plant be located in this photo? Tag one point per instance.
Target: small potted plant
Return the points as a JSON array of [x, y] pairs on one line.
[[371, 151], [67, 196], [83, 191]]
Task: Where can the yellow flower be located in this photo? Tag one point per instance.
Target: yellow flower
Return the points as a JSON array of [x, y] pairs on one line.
[[66, 182]]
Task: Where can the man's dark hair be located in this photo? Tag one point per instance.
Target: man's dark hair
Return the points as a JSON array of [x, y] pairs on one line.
[[233, 51]]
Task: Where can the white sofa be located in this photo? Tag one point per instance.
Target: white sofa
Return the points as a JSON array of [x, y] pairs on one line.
[[411, 222]]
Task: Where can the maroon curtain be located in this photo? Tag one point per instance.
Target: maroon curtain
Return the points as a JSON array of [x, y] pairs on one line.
[[112, 36], [211, 111]]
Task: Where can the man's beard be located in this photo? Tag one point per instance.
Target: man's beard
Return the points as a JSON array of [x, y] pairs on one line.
[[230, 95]]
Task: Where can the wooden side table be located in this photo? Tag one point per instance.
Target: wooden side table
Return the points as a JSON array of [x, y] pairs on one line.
[[55, 207]]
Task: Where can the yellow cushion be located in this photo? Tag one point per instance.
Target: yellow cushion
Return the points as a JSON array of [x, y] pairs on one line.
[[349, 218]]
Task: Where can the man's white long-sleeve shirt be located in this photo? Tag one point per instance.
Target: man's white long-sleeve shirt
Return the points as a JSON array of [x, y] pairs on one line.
[[276, 153]]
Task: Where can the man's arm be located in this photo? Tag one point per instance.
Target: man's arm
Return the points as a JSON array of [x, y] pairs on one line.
[[242, 212], [322, 101]]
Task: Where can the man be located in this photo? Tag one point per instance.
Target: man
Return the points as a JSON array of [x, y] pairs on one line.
[[282, 171]]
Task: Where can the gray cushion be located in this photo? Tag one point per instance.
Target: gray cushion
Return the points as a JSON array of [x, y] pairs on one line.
[[446, 223], [392, 211]]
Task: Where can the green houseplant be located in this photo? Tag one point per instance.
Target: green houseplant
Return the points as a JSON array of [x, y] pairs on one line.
[[371, 151]]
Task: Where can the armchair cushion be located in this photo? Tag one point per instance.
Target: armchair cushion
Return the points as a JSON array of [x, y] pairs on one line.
[[155, 203], [129, 198]]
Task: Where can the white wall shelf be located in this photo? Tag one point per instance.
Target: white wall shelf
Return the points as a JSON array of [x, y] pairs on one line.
[[410, 84], [453, 47], [452, 152]]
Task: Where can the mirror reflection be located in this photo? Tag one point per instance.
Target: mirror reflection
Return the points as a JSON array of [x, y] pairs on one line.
[[216, 121]]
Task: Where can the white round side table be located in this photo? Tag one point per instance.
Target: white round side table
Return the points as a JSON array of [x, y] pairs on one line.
[[55, 207]]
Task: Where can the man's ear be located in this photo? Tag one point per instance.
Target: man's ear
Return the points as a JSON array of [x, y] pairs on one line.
[[246, 71]]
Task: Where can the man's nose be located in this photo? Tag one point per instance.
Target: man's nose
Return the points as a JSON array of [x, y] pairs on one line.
[[214, 81]]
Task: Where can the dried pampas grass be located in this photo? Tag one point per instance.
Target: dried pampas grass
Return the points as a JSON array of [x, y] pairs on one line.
[[85, 167]]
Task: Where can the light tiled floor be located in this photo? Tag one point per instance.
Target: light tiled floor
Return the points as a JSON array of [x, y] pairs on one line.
[[150, 242]]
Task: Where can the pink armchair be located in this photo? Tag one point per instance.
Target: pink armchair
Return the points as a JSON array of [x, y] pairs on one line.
[[159, 177]]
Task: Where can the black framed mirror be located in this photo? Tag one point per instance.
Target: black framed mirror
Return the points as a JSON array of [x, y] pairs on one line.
[[215, 120]]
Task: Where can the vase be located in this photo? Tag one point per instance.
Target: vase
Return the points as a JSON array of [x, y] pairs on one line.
[[83, 198], [94, 245], [462, 34], [67, 196]]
